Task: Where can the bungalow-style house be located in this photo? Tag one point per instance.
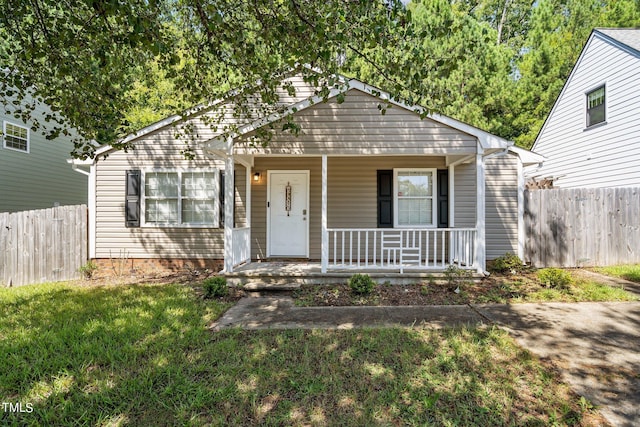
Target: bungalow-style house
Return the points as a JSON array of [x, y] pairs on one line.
[[34, 173], [591, 137], [356, 189]]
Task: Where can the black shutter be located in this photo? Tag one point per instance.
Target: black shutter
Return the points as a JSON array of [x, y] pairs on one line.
[[132, 199], [221, 198], [443, 198], [385, 199]]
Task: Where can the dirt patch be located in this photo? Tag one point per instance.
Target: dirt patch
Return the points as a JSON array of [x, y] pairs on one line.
[[497, 289], [186, 278]]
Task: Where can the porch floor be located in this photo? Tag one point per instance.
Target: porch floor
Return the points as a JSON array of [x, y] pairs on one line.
[[286, 275]]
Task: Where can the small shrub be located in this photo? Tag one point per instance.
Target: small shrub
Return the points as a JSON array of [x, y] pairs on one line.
[[88, 269], [215, 287], [457, 276], [555, 278], [361, 284], [507, 263]]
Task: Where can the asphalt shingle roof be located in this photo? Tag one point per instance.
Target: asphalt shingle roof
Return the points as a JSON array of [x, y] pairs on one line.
[[627, 36]]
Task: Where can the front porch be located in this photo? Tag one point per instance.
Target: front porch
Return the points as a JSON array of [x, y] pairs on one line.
[[331, 211]]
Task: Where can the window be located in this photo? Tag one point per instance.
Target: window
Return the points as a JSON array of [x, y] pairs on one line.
[[15, 137], [181, 198], [414, 201], [596, 106]]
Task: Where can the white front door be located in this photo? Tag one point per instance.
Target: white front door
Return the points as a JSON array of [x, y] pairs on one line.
[[288, 213]]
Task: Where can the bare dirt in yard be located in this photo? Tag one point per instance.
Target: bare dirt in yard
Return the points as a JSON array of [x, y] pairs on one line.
[[495, 288]]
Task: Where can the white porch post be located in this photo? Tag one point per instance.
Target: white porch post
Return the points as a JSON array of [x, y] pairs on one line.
[[521, 229], [325, 233], [480, 213], [229, 201], [247, 203], [92, 211]]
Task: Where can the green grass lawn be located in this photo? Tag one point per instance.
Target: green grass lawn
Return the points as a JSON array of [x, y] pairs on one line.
[[143, 355], [627, 272], [580, 290]]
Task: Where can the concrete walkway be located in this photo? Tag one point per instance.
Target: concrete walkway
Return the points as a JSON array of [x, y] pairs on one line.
[[596, 346]]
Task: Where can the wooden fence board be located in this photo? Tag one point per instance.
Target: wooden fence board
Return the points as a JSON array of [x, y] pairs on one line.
[[582, 227], [42, 245]]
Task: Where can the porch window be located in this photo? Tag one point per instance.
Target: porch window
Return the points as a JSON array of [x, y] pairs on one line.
[[596, 106], [414, 197], [15, 137], [181, 198]]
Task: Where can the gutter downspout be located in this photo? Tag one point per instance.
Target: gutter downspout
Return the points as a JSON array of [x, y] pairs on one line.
[[91, 205]]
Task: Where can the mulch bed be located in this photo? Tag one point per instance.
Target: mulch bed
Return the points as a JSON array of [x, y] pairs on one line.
[[493, 289]]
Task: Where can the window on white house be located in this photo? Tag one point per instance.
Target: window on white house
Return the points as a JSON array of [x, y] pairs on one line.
[[414, 201], [180, 198], [596, 106], [15, 137]]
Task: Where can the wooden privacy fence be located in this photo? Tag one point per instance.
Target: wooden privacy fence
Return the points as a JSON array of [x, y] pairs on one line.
[[582, 227], [42, 245]]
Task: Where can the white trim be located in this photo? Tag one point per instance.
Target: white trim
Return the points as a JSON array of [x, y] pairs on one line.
[[308, 182], [466, 159], [4, 137], [324, 221], [587, 126], [179, 171], [481, 245], [91, 204], [521, 230], [527, 157], [434, 197], [229, 202]]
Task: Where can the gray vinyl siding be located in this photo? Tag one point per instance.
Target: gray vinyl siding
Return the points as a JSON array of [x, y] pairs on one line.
[[223, 117], [501, 219], [156, 151], [605, 155], [465, 195], [351, 193], [356, 127], [357, 138], [259, 201], [41, 178], [240, 210]]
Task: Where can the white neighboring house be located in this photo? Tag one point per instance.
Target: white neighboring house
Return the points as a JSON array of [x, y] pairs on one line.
[[34, 172], [591, 138]]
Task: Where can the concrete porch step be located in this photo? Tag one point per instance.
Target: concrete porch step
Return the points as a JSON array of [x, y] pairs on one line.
[[262, 286], [276, 279]]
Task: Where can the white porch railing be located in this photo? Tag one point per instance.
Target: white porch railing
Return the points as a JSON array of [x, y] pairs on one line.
[[241, 245], [386, 248]]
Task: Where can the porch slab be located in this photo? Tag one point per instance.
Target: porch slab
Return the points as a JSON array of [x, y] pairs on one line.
[[280, 275]]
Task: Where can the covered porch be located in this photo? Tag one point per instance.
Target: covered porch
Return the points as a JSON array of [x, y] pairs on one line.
[[340, 222]]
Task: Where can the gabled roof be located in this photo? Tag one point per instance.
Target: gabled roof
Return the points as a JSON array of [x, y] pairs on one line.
[[527, 157], [629, 37], [487, 140], [626, 39]]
